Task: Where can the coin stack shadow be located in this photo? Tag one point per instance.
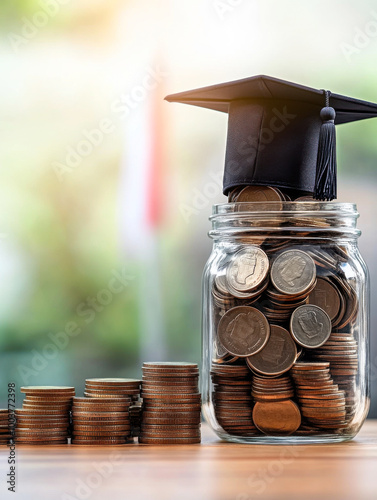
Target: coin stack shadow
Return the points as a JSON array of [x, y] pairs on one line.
[[322, 404], [232, 398], [171, 404], [45, 415], [118, 387], [101, 420], [5, 434]]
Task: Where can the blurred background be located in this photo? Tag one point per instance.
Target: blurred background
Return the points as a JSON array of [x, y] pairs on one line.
[[106, 189]]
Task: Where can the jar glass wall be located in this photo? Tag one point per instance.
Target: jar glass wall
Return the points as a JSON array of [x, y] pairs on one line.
[[285, 323]]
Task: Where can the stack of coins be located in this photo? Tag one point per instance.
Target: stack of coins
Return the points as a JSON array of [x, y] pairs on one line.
[[232, 398], [321, 402], [45, 415], [341, 351], [101, 420], [112, 387], [118, 387], [274, 411], [5, 433], [267, 389], [171, 403]]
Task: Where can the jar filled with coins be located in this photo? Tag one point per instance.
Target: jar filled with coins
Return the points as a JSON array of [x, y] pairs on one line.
[[285, 320]]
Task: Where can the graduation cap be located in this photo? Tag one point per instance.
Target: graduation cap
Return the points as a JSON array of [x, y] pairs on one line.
[[279, 133]]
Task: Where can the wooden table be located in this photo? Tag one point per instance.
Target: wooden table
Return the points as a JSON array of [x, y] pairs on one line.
[[213, 470]]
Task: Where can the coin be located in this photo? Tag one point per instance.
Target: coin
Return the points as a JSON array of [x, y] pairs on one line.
[[277, 356], [247, 270], [128, 382], [310, 326], [277, 418], [243, 331], [258, 194], [293, 272], [47, 389], [326, 296]]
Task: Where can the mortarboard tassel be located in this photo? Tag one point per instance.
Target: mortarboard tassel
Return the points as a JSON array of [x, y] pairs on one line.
[[325, 182]]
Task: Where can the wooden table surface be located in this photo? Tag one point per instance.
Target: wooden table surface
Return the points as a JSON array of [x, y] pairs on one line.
[[212, 470]]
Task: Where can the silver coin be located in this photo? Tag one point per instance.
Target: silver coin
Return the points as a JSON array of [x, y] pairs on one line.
[[248, 269], [310, 326], [293, 272]]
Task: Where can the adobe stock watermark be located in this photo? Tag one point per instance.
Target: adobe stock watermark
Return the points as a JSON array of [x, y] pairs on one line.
[[120, 108], [91, 482], [362, 38], [259, 480], [31, 26], [201, 198], [225, 7], [247, 150], [86, 313]]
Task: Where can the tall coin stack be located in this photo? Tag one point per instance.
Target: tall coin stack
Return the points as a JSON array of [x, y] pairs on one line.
[[45, 415], [118, 387], [5, 434], [232, 398], [101, 420], [171, 403]]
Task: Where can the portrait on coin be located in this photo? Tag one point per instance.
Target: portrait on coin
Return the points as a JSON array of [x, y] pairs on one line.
[[244, 268], [292, 269]]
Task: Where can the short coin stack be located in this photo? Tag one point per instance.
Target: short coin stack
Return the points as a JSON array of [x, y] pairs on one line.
[[171, 403], [322, 404], [5, 434], [101, 420], [232, 398], [112, 387], [118, 387], [45, 415]]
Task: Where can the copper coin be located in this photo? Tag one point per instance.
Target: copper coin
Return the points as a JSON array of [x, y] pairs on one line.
[[277, 356], [43, 412], [169, 421], [258, 194], [243, 331], [154, 405], [293, 272], [280, 418], [47, 389], [176, 367], [100, 427], [114, 381], [40, 442], [326, 296]]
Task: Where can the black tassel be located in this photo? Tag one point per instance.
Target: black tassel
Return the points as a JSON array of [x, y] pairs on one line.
[[325, 182]]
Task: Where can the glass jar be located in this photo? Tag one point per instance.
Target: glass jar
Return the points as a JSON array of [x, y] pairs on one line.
[[285, 323]]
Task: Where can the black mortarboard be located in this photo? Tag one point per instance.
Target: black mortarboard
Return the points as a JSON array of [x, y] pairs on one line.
[[279, 133]]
